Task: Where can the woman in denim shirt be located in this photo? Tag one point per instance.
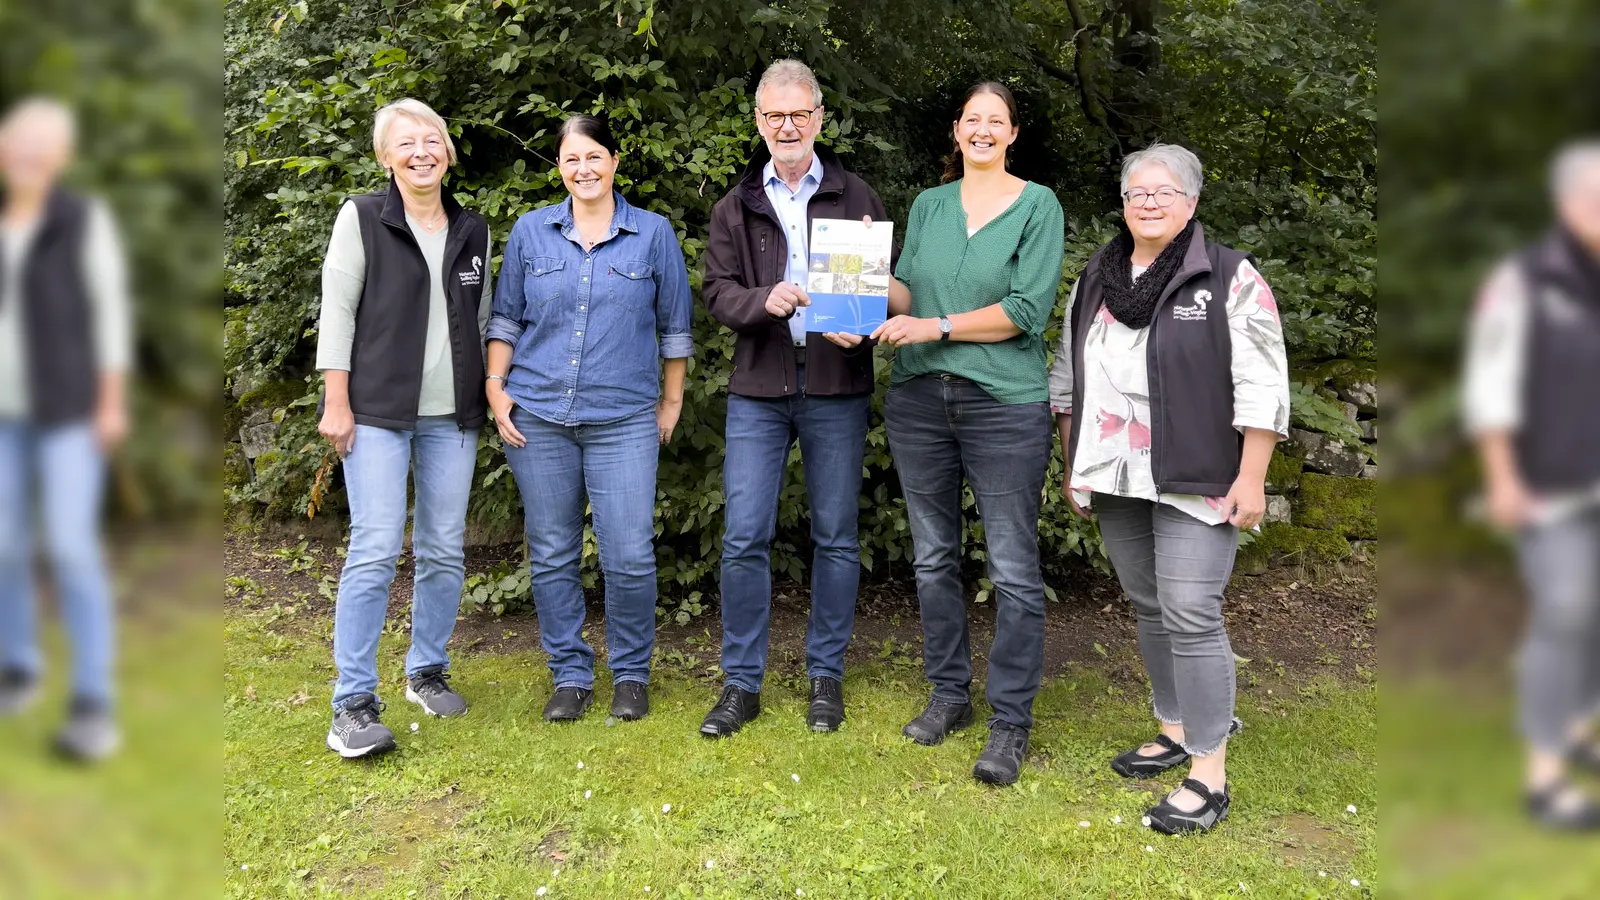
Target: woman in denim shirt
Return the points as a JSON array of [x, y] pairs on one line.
[[592, 293]]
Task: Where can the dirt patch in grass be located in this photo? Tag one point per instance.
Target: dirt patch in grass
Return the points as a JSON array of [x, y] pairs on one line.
[[409, 830], [1304, 841], [1281, 621]]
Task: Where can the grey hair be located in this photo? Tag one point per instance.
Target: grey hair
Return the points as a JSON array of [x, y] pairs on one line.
[[48, 110], [1571, 159], [1183, 165], [785, 72]]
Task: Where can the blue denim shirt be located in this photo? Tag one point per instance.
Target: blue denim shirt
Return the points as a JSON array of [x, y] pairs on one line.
[[791, 209], [589, 328]]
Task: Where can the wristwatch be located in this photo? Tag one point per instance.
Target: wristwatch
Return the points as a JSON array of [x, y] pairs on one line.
[[944, 328]]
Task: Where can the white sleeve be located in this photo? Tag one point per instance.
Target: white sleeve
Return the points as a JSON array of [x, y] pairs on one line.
[[1491, 395], [344, 273], [106, 278], [1061, 369], [1260, 365]]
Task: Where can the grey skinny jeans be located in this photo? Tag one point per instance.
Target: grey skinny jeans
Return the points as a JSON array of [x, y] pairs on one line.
[[1174, 568], [1559, 666]]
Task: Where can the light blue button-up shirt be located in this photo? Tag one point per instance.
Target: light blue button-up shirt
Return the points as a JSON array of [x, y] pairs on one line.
[[791, 209]]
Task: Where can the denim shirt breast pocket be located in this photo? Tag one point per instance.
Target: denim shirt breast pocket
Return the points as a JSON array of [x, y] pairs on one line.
[[542, 281], [631, 283]]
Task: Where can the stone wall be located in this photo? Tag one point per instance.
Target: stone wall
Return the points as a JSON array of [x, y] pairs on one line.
[[1322, 489]]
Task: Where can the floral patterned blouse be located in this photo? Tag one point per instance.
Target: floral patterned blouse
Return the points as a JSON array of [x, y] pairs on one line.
[[1113, 455]]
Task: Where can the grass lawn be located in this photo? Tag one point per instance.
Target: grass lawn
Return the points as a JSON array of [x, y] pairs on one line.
[[499, 804]]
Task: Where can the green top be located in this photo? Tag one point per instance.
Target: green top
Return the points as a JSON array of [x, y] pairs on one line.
[[1013, 260]]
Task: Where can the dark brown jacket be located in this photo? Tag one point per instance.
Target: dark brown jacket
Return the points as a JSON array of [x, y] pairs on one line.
[[744, 259]]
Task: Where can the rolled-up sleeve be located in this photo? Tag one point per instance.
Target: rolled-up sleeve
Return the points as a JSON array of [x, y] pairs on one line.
[[343, 278], [1038, 273], [505, 321], [674, 305], [1496, 358], [1061, 369], [1260, 364]]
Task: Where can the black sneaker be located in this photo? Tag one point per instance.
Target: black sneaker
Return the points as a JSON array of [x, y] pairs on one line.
[[736, 707], [826, 712], [1169, 819], [356, 731], [430, 689], [90, 734], [19, 689], [630, 701], [939, 720], [568, 704], [1001, 759]]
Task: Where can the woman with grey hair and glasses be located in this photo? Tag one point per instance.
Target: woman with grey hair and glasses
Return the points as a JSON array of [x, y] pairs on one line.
[[1170, 389], [1533, 358]]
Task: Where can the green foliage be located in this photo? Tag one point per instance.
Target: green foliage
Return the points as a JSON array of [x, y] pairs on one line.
[[1277, 97], [1345, 506]]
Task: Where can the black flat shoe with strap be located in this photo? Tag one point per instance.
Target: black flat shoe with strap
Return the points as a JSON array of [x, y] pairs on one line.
[[1134, 765], [1169, 819], [1561, 808]]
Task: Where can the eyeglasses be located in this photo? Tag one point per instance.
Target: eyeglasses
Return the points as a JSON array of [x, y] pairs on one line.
[[800, 117], [1164, 196]]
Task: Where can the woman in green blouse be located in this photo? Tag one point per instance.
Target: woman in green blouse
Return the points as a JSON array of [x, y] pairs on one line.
[[973, 291]]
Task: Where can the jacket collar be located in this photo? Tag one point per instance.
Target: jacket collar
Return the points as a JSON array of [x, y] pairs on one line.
[[1562, 259], [624, 218], [753, 192], [394, 207]]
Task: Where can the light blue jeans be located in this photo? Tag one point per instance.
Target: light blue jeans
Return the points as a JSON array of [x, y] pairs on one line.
[[441, 456], [60, 473]]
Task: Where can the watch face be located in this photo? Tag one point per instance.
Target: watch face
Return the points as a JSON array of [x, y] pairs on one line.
[[944, 325]]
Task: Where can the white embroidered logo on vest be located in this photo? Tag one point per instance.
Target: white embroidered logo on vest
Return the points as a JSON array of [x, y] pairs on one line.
[[1195, 313], [475, 277]]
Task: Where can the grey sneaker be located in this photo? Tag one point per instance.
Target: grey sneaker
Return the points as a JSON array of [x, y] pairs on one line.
[[430, 689], [1001, 759], [90, 734], [356, 730], [19, 690]]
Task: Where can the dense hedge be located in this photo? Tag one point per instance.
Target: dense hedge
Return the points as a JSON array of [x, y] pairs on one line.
[[1277, 97]]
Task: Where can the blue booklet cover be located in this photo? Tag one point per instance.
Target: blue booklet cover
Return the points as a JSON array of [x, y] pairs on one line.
[[848, 277]]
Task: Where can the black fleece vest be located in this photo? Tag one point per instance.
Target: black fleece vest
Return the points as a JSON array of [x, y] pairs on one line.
[[1194, 448], [1558, 444], [61, 365], [392, 320]]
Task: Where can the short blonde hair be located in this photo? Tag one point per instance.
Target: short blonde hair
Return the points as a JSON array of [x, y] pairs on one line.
[[417, 111], [52, 113]]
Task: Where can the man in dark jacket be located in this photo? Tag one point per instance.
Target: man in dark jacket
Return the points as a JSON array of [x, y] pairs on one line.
[[786, 385]]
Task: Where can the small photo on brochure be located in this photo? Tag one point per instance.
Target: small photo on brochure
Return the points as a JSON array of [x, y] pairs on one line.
[[874, 285], [847, 284], [819, 262], [845, 264], [821, 283], [879, 266]]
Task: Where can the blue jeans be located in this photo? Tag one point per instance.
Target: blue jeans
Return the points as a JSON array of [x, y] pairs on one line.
[[940, 428], [441, 457], [832, 432], [62, 470], [614, 466]]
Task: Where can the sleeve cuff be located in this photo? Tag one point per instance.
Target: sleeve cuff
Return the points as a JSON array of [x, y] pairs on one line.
[[676, 346], [1061, 409], [1265, 423], [503, 329]]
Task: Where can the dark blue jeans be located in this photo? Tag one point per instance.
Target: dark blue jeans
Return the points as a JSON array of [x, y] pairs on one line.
[[613, 467], [832, 432], [940, 428]]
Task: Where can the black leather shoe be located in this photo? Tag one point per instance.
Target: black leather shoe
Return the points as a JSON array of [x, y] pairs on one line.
[[1001, 759], [629, 701], [1169, 819], [736, 707], [1561, 808], [938, 721], [827, 704], [568, 705], [1134, 765]]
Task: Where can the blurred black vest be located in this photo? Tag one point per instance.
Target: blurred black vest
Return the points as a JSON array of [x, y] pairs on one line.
[[1558, 443], [56, 328]]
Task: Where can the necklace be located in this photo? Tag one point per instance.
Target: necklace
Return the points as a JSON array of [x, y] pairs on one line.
[[430, 225]]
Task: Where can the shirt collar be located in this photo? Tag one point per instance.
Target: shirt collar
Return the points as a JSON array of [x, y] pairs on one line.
[[769, 172], [623, 218]]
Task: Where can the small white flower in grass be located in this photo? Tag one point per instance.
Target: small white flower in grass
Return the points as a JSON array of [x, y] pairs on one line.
[[1242, 887], [796, 778], [541, 891], [1355, 882], [1351, 809], [1321, 874], [580, 763], [1116, 820], [666, 807], [1083, 824], [1145, 821], [245, 867], [588, 794], [1149, 849], [711, 864], [799, 893], [647, 889], [555, 873], [415, 728]]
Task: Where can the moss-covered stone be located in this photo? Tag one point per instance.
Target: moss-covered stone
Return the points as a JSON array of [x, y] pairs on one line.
[[1279, 543], [235, 469], [1283, 473], [1321, 373], [1347, 507], [273, 395]]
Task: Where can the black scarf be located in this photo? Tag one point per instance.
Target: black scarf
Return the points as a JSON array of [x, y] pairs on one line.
[[1133, 303]]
